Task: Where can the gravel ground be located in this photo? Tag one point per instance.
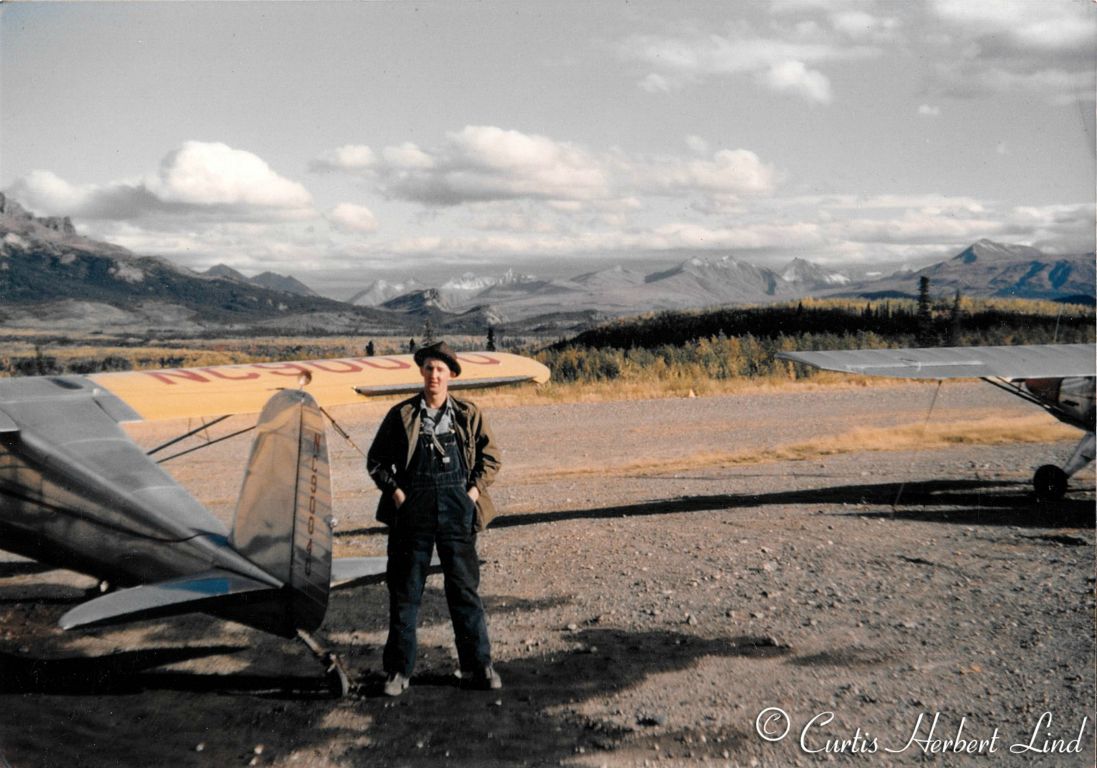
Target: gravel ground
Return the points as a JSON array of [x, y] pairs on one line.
[[638, 616]]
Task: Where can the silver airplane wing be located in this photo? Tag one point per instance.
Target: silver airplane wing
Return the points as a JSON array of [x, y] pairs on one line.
[[1017, 362]]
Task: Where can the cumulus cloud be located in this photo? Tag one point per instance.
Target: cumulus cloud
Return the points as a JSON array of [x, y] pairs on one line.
[[794, 77], [198, 178], [671, 236], [1016, 45], [697, 144], [251, 246], [786, 59], [482, 163], [349, 157], [1062, 26], [730, 171], [407, 156], [924, 227], [656, 83], [350, 217], [214, 174], [858, 24]]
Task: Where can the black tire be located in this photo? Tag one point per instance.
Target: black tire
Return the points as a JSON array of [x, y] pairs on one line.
[[1050, 483]]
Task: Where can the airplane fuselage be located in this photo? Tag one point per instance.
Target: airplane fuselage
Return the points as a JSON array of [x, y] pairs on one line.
[[48, 515], [78, 493], [1070, 399]]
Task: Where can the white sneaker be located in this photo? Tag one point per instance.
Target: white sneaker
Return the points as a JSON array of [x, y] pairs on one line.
[[396, 684]]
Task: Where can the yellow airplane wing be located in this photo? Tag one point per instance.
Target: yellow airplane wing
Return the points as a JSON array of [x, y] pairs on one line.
[[225, 389]]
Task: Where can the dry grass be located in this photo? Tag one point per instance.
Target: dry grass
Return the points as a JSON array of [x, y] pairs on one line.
[[606, 391], [991, 431]]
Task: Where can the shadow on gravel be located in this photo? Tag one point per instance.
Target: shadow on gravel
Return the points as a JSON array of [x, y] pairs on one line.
[[129, 672], [535, 719], [114, 709], [984, 502]]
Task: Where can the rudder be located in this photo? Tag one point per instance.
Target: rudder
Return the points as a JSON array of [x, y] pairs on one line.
[[282, 521]]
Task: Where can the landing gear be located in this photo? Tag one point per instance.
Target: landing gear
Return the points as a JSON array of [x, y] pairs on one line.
[[336, 676], [1050, 483]]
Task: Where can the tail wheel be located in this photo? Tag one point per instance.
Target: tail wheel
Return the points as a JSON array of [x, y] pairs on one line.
[[1050, 483]]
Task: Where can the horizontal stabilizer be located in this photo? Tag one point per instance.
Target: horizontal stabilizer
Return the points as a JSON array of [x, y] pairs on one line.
[[345, 570], [349, 571], [213, 588]]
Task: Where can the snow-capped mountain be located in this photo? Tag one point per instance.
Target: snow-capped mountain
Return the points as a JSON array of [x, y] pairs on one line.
[[380, 291], [812, 276], [987, 268]]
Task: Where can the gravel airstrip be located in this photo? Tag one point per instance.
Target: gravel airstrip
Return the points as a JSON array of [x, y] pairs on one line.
[[664, 586]]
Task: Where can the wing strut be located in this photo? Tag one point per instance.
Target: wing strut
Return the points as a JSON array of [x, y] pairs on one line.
[[184, 436], [342, 432], [206, 444], [925, 424]]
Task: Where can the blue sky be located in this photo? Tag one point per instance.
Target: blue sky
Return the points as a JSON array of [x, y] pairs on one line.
[[340, 142]]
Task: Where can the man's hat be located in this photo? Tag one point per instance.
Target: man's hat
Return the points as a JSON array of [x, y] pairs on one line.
[[441, 351]]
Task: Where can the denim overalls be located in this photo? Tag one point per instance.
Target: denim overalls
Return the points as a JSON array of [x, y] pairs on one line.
[[437, 511]]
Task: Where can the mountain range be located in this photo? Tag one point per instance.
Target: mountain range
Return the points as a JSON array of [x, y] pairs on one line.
[[987, 268], [984, 269], [271, 280], [53, 277]]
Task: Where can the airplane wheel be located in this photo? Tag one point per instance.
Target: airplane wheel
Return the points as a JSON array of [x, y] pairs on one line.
[[1050, 483]]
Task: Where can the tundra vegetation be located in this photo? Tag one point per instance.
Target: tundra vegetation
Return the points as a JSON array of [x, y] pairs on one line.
[[663, 353], [708, 347]]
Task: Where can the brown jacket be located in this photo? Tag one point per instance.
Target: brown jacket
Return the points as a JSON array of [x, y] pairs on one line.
[[397, 438]]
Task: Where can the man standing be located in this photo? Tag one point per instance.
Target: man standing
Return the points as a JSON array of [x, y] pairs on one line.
[[433, 459]]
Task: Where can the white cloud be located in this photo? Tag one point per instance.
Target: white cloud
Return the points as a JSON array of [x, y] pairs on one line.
[[929, 110], [407, 156], [861, 25], [697, 144], [1045, 26], [46, 192], [656, 83], [197, 179], [831, 6], [794, 77], [481, 163], [212, 174], [1066, 229], [1017, 45], [350, 217], [730, 171], [785, 59], [833, 229], [286, 247], [919, 227], [349, 157]]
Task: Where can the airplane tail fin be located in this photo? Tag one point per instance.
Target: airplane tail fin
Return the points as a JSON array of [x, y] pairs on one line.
[[283, 516]]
